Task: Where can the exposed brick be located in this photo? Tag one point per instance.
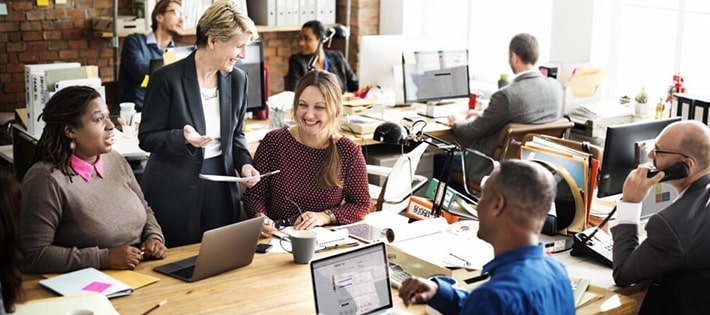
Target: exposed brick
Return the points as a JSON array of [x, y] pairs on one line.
[[22, 5], [13, 67], [68, 55], [50, 35], [31, 36], [90, 54], [37, 46], [53, 15], [14, 87], [15, 16], [31, 26], [58, 45], [76, 14], [16, 47], [9, 27], [29, 57], [34, 15], [49, 55], [63, 25]]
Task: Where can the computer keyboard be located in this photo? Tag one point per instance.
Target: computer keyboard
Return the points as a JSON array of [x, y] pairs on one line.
[[185, 272], [397, 275]]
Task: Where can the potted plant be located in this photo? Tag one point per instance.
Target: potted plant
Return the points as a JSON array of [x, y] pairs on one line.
[[642, 106]]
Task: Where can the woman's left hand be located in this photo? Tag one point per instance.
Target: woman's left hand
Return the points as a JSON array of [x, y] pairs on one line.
[[153, 248], [309, 220], [249, 171]]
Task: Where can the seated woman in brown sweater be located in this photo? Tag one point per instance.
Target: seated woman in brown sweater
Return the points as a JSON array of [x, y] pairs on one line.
[[82, 204]]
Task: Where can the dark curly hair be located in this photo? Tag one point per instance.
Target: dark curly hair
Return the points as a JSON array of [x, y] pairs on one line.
[[10, 242]]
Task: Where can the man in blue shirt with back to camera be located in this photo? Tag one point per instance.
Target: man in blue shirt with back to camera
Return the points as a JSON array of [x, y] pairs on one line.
[[139, 49], [522, 278]]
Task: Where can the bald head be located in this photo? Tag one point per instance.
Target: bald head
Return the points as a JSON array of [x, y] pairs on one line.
[[528, 189], [691, 138]]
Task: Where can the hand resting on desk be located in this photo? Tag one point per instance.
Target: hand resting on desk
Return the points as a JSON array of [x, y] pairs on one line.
[[471, 114]]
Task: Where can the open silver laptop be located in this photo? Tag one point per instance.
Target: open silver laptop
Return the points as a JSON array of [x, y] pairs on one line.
[[222, 249], [353, 282]]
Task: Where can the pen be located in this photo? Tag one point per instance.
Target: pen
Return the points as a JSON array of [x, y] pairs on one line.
[[353, 244], [465, 262], [270, 173], [156, 306]]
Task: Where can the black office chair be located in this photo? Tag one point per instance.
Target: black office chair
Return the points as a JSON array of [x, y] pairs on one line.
[[23, 151]]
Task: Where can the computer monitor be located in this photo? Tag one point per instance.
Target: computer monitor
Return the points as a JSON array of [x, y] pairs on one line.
[[253, 65], [619, 152], [432, 76], [23, 151]]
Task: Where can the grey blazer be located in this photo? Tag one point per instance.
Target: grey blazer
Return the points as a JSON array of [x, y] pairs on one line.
[[170, 181], [530, 99], [675, 255]]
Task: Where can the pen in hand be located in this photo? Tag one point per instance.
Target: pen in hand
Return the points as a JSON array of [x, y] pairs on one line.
[[155, 307]]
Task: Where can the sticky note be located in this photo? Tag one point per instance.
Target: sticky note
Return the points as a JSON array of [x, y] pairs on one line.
[[42, 3], [96, 286], [408, 57], [60, 1], [144, 84]]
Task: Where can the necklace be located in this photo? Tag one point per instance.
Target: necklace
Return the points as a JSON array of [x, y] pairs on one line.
[[210, 94]]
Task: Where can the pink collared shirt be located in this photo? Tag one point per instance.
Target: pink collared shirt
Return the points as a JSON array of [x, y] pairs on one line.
[[83, 168]]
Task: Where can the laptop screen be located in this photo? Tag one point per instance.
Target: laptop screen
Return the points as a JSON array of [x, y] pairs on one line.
[[353, 282]]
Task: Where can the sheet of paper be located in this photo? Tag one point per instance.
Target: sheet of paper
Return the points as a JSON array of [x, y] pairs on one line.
[[584, 82], [222, 178]]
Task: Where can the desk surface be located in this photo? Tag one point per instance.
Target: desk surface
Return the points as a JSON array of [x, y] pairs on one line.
[[272, 283]]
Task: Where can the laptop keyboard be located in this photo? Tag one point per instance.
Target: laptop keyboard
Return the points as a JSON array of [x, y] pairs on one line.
[[185, 272]]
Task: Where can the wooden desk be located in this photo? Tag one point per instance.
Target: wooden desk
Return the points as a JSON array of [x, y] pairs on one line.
[[271, 284]]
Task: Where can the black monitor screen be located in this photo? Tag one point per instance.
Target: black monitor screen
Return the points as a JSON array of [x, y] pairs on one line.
[[435, 75], [619, 153], [253, 65]]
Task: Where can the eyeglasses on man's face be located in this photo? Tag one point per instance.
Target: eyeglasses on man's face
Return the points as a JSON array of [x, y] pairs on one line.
[[178, 13], [656, 152]]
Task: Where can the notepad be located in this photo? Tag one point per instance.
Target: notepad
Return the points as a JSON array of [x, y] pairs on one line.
[[94, 302], [86, 280]]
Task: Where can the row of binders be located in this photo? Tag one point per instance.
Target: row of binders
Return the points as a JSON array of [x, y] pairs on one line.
[[43, 80], [576, 172], [291, 12]]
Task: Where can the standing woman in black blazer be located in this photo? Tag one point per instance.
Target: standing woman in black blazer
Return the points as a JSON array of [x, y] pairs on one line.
[[192, 123]]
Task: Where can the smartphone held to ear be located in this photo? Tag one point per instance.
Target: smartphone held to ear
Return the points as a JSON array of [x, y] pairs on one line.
[[675, 171]]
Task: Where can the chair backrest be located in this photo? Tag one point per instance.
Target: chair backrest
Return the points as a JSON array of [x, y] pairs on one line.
[[399, 180], [512, 134], [23, 151]]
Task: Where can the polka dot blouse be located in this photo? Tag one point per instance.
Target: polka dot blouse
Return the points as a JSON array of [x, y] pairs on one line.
[[299, 165]]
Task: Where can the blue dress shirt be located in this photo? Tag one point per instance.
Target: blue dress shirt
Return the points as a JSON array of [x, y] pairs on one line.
[[522, 281]]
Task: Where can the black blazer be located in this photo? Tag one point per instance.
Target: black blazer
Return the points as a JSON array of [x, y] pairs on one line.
[[298, 66], [173, 100], [675, 255]]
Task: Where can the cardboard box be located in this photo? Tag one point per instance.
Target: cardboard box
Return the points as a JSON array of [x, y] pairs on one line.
[[124, 23]]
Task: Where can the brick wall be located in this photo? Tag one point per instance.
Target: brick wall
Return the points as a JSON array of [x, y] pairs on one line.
[[62, 32]]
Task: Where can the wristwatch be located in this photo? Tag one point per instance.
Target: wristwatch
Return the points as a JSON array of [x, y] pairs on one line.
[[330, 214]]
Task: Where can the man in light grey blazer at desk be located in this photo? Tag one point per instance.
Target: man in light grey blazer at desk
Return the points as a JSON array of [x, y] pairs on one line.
[[530, 99], [675, 256]]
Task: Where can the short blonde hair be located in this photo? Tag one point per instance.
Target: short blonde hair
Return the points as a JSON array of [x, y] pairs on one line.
[[223, 20]]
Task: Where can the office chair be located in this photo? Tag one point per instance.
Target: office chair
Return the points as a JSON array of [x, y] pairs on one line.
[[508, 147], [401, 182], [510, 138], [23, 151]]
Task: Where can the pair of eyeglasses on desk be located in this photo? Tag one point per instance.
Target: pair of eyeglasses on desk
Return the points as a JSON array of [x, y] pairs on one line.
[[282, 223]]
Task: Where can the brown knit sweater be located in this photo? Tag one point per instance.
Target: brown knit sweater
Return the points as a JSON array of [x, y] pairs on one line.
[[69, 225]]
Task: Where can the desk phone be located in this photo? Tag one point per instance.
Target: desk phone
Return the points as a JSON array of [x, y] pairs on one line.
[[596, 243]]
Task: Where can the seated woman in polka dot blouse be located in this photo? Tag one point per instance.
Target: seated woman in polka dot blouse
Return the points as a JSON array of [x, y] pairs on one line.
[[323, 178]]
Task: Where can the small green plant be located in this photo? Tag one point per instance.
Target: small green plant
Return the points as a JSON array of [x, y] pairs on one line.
[[642, 97]]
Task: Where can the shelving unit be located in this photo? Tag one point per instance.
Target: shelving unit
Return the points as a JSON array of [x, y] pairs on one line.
[[191, 32]]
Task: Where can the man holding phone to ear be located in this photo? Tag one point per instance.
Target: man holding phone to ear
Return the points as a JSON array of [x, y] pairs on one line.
[[675, 256]]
